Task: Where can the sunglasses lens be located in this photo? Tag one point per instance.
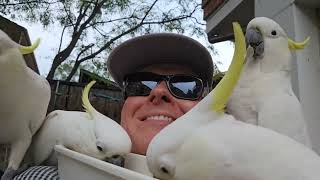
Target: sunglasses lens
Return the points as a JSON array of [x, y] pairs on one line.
[[186, 87], [180, 86], [139, 88]]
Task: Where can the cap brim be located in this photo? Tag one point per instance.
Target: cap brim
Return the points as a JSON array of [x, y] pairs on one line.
[[142, 51]]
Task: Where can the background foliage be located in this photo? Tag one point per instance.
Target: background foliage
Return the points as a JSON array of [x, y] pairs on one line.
[[91, 28]]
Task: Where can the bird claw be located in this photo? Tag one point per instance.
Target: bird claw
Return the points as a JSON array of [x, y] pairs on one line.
[[9, 174]]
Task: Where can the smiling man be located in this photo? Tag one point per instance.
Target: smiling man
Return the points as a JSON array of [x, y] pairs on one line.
[[163, 76]]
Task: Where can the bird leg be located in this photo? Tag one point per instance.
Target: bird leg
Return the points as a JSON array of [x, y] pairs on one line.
[[18, 150], [9, 174]]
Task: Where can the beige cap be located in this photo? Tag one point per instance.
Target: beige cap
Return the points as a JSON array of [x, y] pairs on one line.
[[142, 51]]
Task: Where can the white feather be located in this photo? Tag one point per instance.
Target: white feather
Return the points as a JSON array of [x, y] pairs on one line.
[[264, 93], [77, 131], [24, 98], [227, 149], [203, 144]]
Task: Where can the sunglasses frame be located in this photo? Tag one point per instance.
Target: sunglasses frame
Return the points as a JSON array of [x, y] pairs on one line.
[[165, 78]]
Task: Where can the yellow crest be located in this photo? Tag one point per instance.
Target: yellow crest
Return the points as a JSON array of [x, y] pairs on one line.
[[224, 89], [297, 45], [85, 99], [29, 49]]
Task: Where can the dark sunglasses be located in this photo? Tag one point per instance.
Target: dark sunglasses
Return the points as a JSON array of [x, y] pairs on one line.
[[180, 86]]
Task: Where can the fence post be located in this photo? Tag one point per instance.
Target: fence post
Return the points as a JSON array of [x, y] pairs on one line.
[[55, 94]]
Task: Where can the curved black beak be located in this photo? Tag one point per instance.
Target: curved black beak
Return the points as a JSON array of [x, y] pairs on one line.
[[116, 160], [254, 39]]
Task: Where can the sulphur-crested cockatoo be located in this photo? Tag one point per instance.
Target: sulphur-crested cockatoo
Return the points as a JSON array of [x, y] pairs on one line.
[[24, 99], [161, 153], [89, 132], [228, 149], [207, 144], [263, 95]]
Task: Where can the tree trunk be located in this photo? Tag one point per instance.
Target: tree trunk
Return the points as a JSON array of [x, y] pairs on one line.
[[54, 66]]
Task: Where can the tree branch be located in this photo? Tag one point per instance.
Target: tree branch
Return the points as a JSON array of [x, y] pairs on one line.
[[81, 16], [109, 21], [85, 20], [68, 14], [95, 10], [28, 2], [77, 62], [61, 38], [111, 41], [147, 13], [173, 19], [84, 50], [64, 54]]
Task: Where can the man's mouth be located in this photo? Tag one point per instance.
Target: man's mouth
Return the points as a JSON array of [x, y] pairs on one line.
[[159, 118]]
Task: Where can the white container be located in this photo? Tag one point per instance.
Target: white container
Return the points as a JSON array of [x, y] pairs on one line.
[[137, 163], [76, 166]]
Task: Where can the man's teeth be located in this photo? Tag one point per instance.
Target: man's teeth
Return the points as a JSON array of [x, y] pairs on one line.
[[160, 118]]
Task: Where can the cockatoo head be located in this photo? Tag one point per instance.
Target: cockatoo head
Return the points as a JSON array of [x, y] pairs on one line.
[[111, 140], [162, 150], [262, 28], [268, 39], [6, 44]]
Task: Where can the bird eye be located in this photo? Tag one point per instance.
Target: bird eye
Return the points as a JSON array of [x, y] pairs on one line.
[[274, 33], [99, 148]]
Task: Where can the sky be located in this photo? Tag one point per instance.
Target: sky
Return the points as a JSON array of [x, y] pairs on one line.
[[50, 39]]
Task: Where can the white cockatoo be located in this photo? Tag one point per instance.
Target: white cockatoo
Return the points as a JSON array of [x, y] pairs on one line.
[[228, 149], [263, 95], [24, 99], [206, 143], [161, 152], [90, 133]]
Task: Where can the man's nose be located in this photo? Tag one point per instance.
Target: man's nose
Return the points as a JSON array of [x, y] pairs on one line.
[[160, 94]]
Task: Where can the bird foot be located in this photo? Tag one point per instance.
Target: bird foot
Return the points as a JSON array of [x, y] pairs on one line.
[[10, 173]]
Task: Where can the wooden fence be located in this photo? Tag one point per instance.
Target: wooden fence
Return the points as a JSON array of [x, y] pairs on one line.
[[107, 99]]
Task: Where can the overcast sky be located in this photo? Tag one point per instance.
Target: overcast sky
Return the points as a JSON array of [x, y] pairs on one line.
[[50, 39]]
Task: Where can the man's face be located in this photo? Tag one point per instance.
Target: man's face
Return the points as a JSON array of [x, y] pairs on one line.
[[144, 116]]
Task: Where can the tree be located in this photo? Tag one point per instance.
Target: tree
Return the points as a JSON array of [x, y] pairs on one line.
[[91, 28]]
